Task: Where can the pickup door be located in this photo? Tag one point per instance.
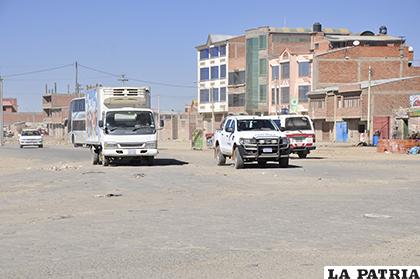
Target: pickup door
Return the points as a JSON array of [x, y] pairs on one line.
[[226, 138]]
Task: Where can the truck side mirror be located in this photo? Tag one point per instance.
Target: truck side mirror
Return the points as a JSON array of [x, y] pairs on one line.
[[161, 123], [229, 129], [66, 122], [101, 123], [282, 129]]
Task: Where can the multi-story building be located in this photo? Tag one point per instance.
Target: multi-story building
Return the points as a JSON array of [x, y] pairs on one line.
[[297, 69], [56, 108], [10, 105], [212, 65]]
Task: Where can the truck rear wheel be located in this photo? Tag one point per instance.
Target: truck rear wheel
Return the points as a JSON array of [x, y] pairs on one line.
[[95, 158], [237, 158], [284, 162], [220, 158]]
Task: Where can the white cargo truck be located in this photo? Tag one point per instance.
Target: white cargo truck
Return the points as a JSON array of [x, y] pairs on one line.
[[120, 124]]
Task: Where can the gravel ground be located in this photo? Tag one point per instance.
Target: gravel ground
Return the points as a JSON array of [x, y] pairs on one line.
[[61, 217]]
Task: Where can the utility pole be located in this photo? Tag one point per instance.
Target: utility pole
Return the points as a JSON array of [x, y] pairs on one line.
[[369, 127], [1, 111], [123, 79], [212, 109], [76, 85]]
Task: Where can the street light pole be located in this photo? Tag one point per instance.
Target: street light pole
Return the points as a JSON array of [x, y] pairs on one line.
[[1, 111], [369, 127]]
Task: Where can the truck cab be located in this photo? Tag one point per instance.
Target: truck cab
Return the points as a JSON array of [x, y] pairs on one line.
[[299, 129], [249, 139]]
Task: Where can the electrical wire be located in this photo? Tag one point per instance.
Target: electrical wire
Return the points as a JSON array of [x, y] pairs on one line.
[[139, 80], [38, 71]]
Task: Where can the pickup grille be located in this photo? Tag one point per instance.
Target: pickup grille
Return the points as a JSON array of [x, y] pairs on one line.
[[132, 145]]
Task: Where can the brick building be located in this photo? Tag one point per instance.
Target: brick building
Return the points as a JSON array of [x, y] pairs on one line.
[[10, 105], [322, 72], [12, 115], [56, 109]]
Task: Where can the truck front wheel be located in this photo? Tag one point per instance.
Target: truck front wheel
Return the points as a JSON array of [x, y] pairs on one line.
[[105, 161], [237, 158], [220, 158], [284, 162]]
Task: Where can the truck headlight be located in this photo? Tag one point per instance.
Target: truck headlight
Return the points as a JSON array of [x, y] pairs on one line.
[[247, 141], [110, 145], [151, 144]]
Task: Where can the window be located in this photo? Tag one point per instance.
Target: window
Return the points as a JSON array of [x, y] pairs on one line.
[[222, 50], [263, 67], [256, 125], [204, 96], [303, 93], [318, 103], [228, 124], [275, 96], [214, 72], [285, 70], [222, 71], [237, 77], [204, 74], [214, 95], [204, 54], [262, 41], [263, 93], [285, 95], [237, 100], [275, 72], [348, 102], [223, 94], [297, 123], [214, 52], [304, 69]]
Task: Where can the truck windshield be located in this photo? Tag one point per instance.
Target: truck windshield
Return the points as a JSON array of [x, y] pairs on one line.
[[30, 133], [130, 122], [255, 124], [297, 123]]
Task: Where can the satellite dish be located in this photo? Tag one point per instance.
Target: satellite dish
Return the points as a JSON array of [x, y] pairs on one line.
[[356, 43]]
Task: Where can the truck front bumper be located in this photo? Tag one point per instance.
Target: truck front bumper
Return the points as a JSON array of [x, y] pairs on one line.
[[264, 152], [306, 149], [132, 152]]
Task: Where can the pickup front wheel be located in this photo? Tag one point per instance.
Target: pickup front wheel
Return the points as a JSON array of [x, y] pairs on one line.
[[237, 158], [220, 158]]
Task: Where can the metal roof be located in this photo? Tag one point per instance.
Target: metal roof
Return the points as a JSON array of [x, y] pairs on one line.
[[215, 38]]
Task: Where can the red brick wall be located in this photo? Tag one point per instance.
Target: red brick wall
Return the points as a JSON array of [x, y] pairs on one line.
[[237, 54], [337, 71], [13, 117]]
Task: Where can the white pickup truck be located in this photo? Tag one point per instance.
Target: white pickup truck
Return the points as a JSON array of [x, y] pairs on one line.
[[248, 139]]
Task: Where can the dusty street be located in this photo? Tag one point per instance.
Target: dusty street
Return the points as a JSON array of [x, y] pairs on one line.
[[187, 218]]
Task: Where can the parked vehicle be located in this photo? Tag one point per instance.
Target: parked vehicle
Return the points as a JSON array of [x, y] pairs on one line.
[[31, 138], [119, 123], [299, 130], [249, 139]]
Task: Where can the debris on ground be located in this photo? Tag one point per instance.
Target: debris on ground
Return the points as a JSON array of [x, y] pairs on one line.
[[93, 172], [110, 195], [373, 215], [60, 217], [62, 167], [139, 175]]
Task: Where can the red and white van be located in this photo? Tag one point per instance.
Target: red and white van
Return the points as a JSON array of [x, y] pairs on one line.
[[299, 129]]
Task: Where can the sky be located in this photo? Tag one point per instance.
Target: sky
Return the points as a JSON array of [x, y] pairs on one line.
[[155, 40]]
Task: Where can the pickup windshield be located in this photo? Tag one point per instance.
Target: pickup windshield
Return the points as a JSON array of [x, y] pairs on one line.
[[256, 124], [130, 123], [297, 123]]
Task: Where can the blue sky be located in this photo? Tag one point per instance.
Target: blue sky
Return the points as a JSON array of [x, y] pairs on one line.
[[155, 40]]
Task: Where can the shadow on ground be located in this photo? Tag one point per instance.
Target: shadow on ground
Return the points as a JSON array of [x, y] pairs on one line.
[[158, 162]]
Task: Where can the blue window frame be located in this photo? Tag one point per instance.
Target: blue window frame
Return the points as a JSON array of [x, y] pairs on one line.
[[204, 54], [214, 72], [214, 52], [222, 71], [304, 69], [204, 74], [222, 94], [222, 50]]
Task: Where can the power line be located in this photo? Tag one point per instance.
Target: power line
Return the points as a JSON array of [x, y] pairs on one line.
[[139, 80], [38, 71]]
